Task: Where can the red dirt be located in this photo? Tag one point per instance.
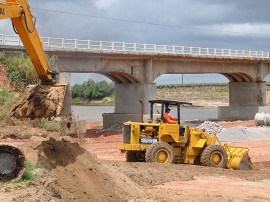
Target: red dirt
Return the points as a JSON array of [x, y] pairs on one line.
[[93, 169]]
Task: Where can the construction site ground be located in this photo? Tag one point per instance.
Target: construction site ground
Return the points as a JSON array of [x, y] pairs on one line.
[[90, 168]]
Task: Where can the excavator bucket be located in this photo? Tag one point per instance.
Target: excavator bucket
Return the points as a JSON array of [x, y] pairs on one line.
[[12, 163], [40, 101], [238, 158]]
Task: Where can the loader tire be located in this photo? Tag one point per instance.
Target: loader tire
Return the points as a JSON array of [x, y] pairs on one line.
[[160, 152], [135, 156], [214, 156]]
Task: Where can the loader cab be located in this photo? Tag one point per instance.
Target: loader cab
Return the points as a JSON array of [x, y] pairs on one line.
[[164, 104]]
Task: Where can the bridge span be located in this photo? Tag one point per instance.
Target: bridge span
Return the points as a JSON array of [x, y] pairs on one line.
[[134, 67]]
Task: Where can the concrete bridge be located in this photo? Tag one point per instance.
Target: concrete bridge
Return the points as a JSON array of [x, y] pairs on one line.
[[134, 67]]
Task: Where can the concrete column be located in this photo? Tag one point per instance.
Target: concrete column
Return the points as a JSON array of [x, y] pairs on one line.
[[247, 94], [64, 78], [246, 99], [127, 103]]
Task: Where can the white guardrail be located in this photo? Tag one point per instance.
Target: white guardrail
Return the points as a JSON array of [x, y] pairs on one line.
[[61, 43]]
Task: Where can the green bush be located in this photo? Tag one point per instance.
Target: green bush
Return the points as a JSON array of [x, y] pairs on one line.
[[91, 90], [28, 175], [20, 70]]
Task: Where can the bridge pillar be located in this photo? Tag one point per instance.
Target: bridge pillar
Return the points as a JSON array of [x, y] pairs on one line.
[[245, 100], [127, 103], [64, 77]]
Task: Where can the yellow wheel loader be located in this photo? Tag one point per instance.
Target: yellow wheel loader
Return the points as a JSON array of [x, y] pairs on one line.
[[45, 100], [160, 142]]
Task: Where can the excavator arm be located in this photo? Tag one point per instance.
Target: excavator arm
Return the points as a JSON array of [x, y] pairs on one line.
[[22, 19], [39, 101]]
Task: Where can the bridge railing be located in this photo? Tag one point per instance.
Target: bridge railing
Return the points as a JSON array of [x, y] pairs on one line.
[[62, 43]]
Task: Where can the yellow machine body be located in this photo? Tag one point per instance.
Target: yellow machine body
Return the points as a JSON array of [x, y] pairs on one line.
[[187, 144]]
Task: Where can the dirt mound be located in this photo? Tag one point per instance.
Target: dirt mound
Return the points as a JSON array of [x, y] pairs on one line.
[[73, 174], [80, 176], [40, 101]]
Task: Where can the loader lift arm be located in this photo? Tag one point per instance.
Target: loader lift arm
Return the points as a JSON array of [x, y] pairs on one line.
[[22, 19]]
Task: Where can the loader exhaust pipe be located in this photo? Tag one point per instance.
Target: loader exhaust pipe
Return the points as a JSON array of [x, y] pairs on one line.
[[142, 110]]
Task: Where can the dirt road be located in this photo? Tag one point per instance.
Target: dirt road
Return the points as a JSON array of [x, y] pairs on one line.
[[92, 169]]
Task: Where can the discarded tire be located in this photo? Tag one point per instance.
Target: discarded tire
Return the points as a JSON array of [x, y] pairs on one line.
[[12, 163]]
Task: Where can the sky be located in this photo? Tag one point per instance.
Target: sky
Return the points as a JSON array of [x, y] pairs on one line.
[[241, 24]]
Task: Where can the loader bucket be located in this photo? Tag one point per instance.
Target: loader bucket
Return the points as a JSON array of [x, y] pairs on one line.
[[40, 101], [238, 158], [12, 163]]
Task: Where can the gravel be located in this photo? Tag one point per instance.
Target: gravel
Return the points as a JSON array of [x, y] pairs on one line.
[[115, 128], [236, 134], [211, 127], [241, 134]]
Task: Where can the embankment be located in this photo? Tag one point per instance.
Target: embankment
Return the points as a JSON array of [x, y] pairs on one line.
[[198, 94]]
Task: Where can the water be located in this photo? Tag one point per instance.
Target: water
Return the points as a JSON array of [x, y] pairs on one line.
[[94, 113]]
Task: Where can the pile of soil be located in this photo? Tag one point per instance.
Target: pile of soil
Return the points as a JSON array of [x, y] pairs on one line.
[[39, 101]]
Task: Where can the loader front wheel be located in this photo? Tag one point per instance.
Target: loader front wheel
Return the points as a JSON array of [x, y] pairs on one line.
[[160, 152], [135, 156], [214, 156]]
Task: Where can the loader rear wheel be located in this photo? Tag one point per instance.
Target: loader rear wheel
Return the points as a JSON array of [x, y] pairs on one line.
[[12, 163], [214, 156], [160, 152], [135, 156]]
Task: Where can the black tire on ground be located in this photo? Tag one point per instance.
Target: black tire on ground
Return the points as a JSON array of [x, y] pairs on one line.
[[160, 152], [135, 156], [12, 163], [214, 156]]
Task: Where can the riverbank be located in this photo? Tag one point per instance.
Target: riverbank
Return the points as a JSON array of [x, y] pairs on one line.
[[201, 95]]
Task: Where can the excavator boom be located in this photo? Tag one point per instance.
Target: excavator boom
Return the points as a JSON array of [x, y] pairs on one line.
[[22, 19], [39, 101]]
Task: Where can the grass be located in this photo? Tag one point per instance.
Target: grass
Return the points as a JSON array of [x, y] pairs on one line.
[[28, 175], [6, 102], [49, 125]]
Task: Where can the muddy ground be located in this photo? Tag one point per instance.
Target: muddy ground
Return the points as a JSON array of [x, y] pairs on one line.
[[90, 168]]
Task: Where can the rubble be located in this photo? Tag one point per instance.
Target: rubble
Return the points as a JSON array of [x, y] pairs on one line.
[[211, 127]]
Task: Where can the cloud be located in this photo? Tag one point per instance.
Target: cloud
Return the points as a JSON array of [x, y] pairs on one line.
[[189, 23]]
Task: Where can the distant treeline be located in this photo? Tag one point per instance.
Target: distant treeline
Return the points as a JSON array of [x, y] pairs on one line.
[[190, 85], [91, 90]]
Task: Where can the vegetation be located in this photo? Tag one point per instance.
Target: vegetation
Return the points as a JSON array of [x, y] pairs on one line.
[[20, 73], [91, 90], [28, 175], [6, 101], [45, 123], [20, 70], [189, 85]]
